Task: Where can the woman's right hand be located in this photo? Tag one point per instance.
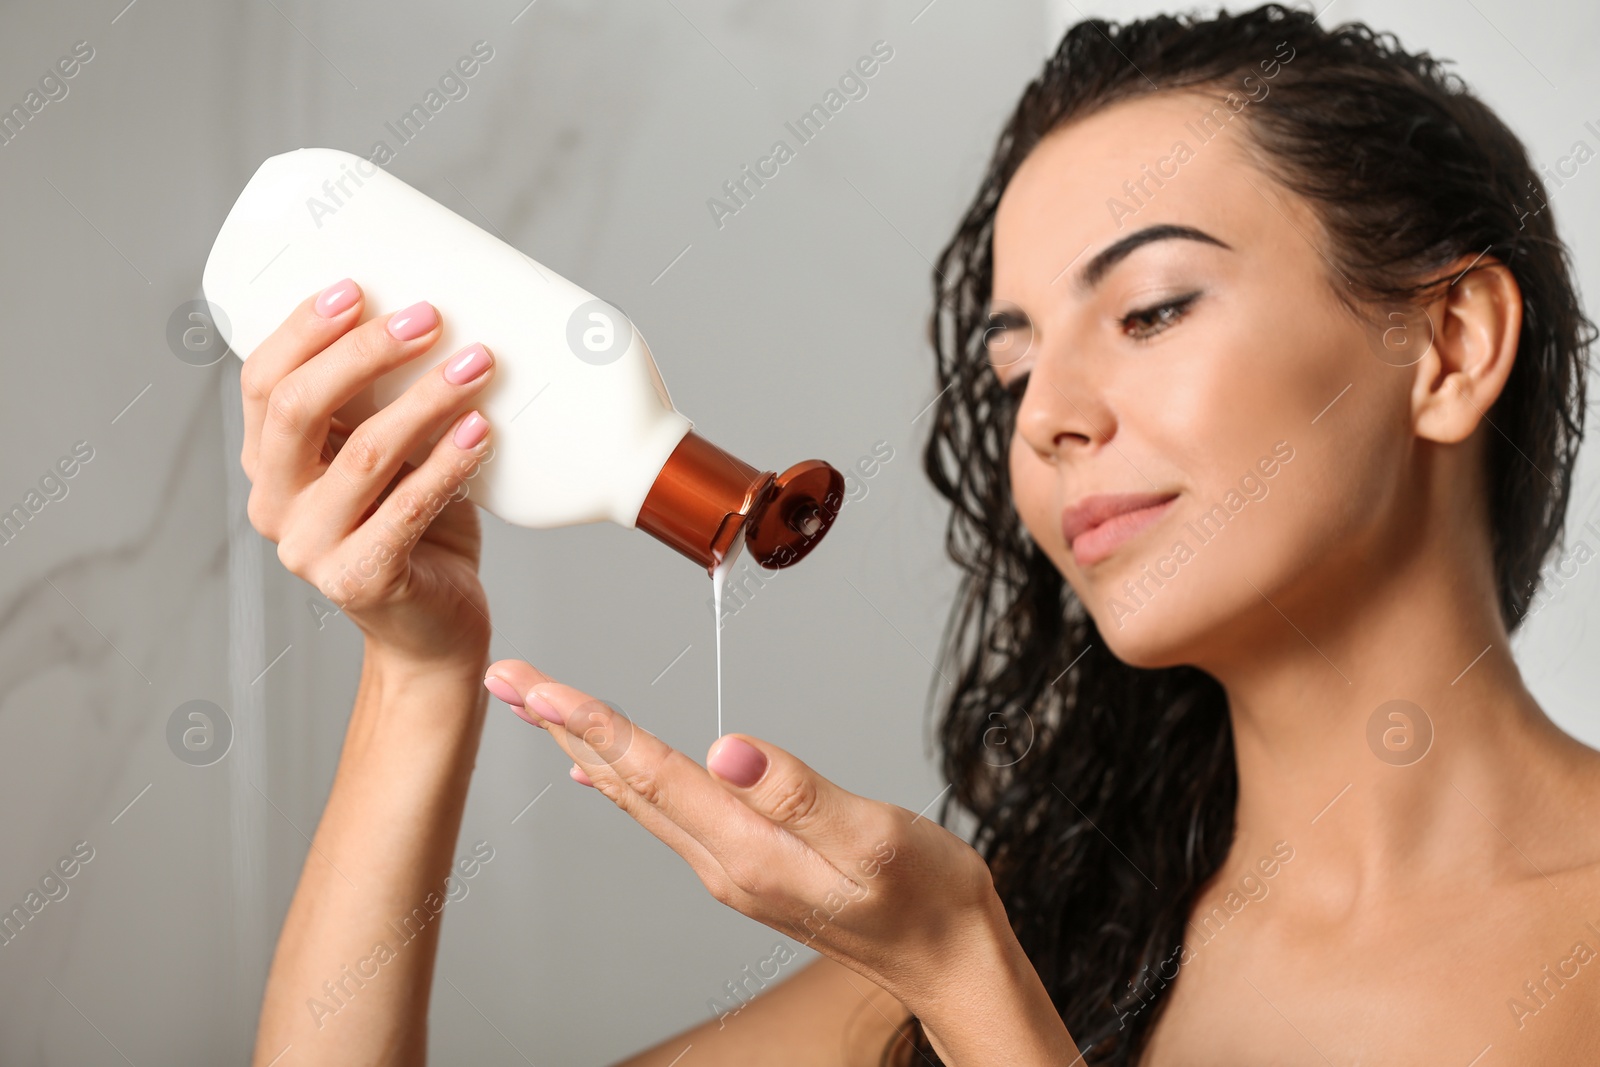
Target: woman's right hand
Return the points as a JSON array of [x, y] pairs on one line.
[[395, 547]]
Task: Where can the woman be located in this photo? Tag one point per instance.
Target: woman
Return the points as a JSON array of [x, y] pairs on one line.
[[1262, 382]]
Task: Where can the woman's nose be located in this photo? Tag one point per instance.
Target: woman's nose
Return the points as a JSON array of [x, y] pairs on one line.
[[1063, 408]]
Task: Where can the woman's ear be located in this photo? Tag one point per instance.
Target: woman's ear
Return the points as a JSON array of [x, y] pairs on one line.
[[1476, 322]]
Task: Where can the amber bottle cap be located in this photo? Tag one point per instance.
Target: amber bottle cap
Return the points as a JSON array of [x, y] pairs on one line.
[[704, 496]]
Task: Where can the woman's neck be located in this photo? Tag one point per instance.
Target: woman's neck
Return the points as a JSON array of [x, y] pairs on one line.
[[1388, 795]]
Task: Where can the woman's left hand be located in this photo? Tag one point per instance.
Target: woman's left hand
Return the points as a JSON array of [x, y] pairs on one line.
[[885, 891]]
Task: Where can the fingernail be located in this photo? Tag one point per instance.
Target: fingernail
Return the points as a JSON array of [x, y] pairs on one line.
[[468, 364], [577, 775], [502, 691], [738, 761], [544, 709], [473, 428], [338, 297], [408, 324]]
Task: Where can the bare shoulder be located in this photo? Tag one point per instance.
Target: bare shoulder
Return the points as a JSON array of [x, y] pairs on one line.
[[1568, 837], [1548, 923], [825, 1015]]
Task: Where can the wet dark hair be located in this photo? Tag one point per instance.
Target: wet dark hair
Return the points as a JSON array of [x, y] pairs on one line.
[[1089, 788]]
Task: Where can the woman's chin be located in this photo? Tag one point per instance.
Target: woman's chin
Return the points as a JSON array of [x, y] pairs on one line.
[[1146, 647], [1153, 635]]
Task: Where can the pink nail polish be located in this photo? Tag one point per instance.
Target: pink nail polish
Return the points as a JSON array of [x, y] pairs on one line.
[[544, 709], [467, 365], [338, 298], [408, 324], [502, 691], [577, 775], [738, 761], [473, 428]]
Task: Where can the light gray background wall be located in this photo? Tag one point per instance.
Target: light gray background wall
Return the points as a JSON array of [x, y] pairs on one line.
[[592, 141]]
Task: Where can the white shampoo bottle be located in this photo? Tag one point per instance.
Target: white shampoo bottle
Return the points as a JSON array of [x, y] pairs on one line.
[[582, 426]]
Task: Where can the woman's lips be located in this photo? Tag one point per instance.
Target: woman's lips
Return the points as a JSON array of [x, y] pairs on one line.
[[1097, 526]]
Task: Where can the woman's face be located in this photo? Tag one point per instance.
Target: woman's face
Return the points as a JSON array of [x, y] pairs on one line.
[[1207, 442]]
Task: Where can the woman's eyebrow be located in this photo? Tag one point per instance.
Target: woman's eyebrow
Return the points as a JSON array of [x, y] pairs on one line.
[[1112, 254], [1003, 316]]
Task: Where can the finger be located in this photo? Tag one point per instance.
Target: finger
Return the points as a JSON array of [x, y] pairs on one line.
[[374, 452], [338, 434], [318, 321], [508, 679], [783, 789], [639, 771], [379, 556], [301, 405]]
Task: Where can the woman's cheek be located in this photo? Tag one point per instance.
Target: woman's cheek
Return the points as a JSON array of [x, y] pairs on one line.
[[1034, 488]]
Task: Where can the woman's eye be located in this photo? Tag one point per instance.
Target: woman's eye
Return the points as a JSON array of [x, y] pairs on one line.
[[1147, 322]]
